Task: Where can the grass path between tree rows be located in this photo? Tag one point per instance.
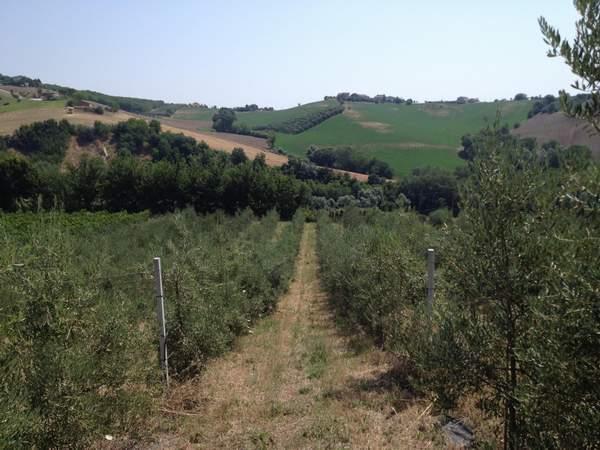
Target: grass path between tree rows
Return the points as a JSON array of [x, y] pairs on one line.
[[297, 382]]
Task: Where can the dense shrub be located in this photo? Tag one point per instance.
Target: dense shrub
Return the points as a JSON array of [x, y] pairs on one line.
[[550, 104], [43, 140], [18, 180], [373, 266], [430, 189], [515, 320], [346, 158]]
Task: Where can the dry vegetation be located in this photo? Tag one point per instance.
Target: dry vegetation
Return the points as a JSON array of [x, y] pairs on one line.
[[297, 383], [10, 121]]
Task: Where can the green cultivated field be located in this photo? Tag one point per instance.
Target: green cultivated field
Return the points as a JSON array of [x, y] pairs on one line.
[[29, 104], [404, 136]]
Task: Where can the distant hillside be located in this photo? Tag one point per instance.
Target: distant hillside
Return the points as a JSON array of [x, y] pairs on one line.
[[405, 136], [257, 120], [565, 130], [129, 104]]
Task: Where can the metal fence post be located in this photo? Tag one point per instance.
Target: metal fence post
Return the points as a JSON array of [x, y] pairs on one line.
[[430, 278], [160, 312]]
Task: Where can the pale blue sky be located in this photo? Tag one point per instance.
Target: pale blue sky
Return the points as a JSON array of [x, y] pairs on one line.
[[282, 53]]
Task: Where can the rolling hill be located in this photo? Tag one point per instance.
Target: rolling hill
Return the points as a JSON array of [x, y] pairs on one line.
[[565, 130], [11, 119], [405, 136]]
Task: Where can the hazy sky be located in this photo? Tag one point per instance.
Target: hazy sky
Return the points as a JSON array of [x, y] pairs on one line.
[[281, 53]]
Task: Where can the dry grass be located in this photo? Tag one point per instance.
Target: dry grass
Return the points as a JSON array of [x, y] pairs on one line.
[[436, 109], [10, 121], [297, 383], [75, 152], [220, 143], [380, 127], [203, 126]]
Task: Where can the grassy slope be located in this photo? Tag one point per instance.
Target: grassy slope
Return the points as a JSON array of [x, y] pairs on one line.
[[28, 104], [407, 136]]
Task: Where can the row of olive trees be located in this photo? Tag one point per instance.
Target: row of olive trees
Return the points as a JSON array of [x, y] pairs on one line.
[[516, 317], [79, 337]]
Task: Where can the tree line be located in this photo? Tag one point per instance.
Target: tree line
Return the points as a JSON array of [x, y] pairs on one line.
[[347, 158], [251, 108], [162, 172], [20, 80], [381, 98]]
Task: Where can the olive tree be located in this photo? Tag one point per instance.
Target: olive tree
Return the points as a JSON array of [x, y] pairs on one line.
[[582, 57]]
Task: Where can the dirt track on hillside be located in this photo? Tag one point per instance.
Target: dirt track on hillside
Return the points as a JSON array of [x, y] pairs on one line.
[[296, 382]]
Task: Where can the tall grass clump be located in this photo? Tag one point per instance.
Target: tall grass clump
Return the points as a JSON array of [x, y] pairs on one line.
[[78, 324]]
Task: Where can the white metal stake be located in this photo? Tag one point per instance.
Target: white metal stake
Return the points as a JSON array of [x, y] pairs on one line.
[[430, 278], [160, 312]]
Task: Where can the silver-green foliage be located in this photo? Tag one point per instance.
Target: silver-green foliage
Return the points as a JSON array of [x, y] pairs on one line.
[[516, 319], [520, 326], [78, 353], [583, 58], [373, 265]]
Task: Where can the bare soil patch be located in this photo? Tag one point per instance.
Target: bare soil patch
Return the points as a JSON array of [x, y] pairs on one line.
[[557, 127], [75, 152], [352, 113], [380, 127], [297, 383]]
